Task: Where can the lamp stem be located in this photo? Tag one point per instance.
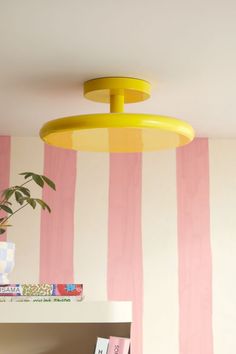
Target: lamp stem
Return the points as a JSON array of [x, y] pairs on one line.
[[117, 103]]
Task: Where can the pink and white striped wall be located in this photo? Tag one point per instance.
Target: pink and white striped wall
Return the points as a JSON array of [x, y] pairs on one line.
[[156, 228]]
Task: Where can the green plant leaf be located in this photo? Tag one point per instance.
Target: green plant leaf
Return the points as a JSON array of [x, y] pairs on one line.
[[2, 231], [25, 191], [6, 208], [26, 174], [48, 208], [43, 205], [38, 180], [31, 202], [49, 182], [19, 197], [7, 193]]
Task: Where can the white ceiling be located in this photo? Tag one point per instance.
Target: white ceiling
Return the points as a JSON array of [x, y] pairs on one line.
[[185, 48]]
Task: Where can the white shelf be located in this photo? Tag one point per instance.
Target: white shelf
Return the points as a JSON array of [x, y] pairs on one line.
[[73, 312]]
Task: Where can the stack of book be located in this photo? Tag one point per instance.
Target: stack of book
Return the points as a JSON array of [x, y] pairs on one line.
[[113, 345], [41, 292]]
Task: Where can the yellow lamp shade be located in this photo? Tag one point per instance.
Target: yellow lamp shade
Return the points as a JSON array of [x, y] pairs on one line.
[[117, 131]]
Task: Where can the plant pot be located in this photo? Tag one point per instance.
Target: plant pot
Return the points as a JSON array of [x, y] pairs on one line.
[[7, 260]]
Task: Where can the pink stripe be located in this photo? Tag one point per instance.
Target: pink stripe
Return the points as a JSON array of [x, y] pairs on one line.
[[125, 272], [57, 228], [195, 268], [5, 152]]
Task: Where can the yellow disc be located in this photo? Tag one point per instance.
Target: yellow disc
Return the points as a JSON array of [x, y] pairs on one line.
[[101, 89], [117, 132]]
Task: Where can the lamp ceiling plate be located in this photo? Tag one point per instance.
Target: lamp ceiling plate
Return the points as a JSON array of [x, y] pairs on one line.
[[101, 89], [117, 132]]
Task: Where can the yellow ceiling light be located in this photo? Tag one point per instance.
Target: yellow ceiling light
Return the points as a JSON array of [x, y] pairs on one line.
[[117, 131]]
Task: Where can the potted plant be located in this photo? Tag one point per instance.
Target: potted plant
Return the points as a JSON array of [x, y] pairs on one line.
[[12, 201]]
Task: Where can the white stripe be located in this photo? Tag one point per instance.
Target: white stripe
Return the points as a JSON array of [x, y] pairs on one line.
[[160, 324], [223, 233], [26, 155], [91, 224]]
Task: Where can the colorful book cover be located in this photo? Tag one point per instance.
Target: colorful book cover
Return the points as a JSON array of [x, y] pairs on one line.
[[118, 345], [40, 299], [67, 289], [101, 346], [41, 290]]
